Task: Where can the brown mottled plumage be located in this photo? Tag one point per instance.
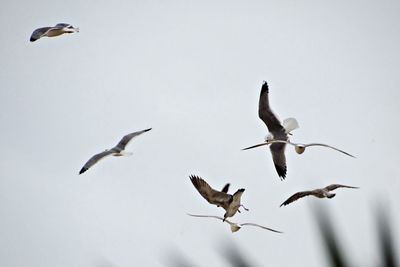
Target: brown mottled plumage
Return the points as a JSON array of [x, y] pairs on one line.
[[230, 203]]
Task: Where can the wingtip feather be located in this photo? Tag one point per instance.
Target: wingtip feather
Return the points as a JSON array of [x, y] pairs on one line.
[[83, 170]]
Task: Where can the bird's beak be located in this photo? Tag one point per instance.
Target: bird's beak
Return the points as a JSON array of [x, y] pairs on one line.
[[262, 144]]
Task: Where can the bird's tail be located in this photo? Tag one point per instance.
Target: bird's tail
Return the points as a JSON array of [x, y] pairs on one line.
[[126, 153], [290, 124]]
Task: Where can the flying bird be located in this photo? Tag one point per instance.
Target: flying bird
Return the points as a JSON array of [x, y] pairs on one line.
[[299, 148], [116, 151], [277, 130], [320, 193], [235, 226], [231, 203], [57, 30]]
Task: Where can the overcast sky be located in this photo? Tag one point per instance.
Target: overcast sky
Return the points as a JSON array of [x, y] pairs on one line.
[[192, 70]]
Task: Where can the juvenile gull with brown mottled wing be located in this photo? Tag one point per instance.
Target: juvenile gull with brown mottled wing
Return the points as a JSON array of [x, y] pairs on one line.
[[230, 203]]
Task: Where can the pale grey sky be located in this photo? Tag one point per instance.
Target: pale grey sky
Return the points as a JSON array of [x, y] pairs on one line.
[[192, 70]]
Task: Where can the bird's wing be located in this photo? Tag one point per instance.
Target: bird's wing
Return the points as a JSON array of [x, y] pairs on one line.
[[278, 156], [93, 160], [38, 33], [225, 188], [334, 148], [62, 25], [234, 226], [266, 114], [206, 216], [263, 227], [127, 138], [212, 196], [336, 186], [250, 147], [296, 196]]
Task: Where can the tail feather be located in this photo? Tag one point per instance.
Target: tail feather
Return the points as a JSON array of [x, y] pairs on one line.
[[290, 124]]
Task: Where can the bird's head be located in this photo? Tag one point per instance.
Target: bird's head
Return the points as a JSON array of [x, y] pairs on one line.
[[300, 148], [269, 137], [331, 195], [71, 29], [235, 227]]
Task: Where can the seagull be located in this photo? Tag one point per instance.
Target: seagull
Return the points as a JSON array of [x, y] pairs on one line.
[[277, 130], [116, 151], [57, 30], [231, 203], [320, 193], [299, 148], [235, 226]]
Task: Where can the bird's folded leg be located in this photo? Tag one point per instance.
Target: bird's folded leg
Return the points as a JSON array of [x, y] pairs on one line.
[[246, 209]]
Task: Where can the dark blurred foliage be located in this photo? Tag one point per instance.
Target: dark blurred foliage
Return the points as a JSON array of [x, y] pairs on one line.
[[331, 240]]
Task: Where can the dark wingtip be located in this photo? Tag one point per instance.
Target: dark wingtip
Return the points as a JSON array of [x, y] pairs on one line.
[[241, 190], [195, 180], [264, 87], [83, 170], [32, 39], [281, 172], [225, 189], [148, 129]]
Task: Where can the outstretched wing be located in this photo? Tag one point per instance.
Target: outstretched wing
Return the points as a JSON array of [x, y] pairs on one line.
[[62, 25], [127, 138], [263, 227], [295, 197], [225, 189], [212, 196], [38, 33], [93, 160], [206, 216], [334, 148], [278, 156], [265, 112], [336, 186]]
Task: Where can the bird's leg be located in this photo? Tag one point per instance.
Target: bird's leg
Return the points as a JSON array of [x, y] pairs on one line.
[[246, 209], [239, 210]]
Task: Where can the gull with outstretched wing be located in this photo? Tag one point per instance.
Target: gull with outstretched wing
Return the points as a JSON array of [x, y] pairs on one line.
[[116, 151], [277, 130], [319, 193], [57, 30], [235, 226], [299, 148]]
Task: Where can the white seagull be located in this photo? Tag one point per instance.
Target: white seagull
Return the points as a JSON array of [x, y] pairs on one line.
[[298, 147], [116, 151], [235, 226], [320, 193], [277, 130], [230, 203], [57, 30]]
